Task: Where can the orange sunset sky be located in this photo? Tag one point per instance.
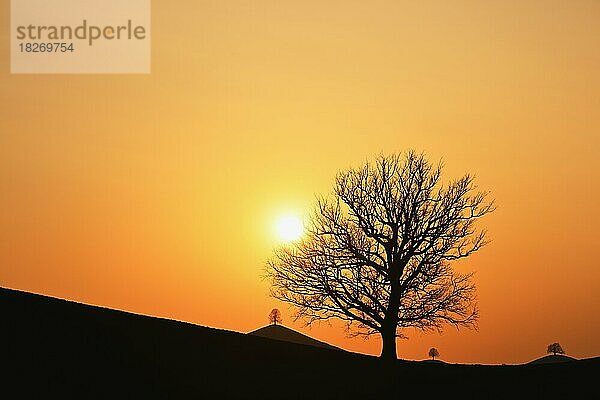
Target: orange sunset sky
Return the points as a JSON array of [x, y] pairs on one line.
[[158, 194]]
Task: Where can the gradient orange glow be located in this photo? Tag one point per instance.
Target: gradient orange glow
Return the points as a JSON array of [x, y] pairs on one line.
[[158, 193]]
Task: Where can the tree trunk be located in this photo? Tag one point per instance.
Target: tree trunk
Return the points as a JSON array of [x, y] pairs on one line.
[[390, 322], [388, 338]]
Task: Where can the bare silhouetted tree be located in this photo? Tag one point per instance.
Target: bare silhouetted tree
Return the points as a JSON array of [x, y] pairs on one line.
[[433, 353], [275, 317], [555, 348], [377, 253]]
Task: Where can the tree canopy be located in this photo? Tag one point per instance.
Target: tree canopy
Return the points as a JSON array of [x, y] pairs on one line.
[[378, 252], [433, 353], [275, 317], [555, 348]]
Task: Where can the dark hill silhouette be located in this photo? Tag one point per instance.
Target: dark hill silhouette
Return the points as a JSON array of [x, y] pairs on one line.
[[54, 348], [280, 332], [434, 361], [553, 359]]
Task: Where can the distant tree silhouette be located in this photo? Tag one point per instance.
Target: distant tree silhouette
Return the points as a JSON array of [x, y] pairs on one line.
[[275, 317], [433, 353], [555, 348], [377, 252]]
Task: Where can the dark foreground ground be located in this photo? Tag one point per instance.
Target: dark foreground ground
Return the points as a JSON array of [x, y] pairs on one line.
[[58, 349]]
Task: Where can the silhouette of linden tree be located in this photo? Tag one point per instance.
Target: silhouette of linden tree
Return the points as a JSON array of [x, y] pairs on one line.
[[377, 253], [555, 348], [433, 353], [275, 317]]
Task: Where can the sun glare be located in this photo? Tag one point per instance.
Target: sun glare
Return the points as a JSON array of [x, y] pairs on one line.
[[289, 228]]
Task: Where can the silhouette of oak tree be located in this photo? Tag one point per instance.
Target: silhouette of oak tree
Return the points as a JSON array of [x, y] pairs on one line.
[[433, 353], [377, 253], [555, 348], [275, 317]]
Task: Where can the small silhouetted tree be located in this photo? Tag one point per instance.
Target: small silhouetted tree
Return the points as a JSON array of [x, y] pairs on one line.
[[275, 317], [433, 353], [555, 348], [378, 252]]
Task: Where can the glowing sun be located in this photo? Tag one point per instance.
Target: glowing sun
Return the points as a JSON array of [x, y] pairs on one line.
[[289, 228]]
